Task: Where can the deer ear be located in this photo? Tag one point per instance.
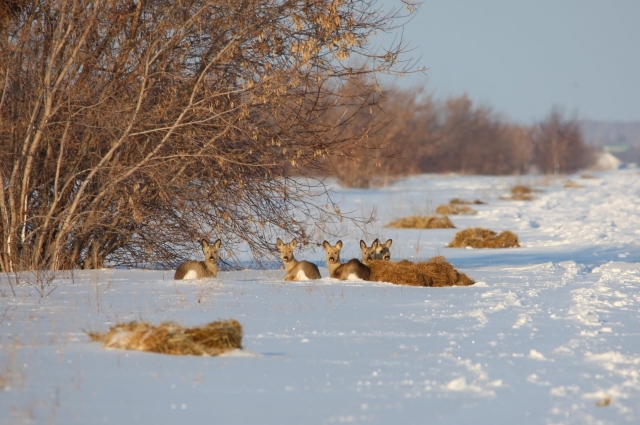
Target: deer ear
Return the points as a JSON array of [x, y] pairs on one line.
[[293, 243], [362, 244], [279, 243], [339, 245], [326, 245], [375, 244], [388, 243], [217, 244], [204, 243]]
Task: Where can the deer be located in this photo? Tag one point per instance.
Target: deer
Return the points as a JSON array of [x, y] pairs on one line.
[[376, 251], [296, 270], [351, 270], [199, 269]]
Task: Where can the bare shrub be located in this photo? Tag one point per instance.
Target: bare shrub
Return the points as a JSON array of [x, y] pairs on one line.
[[559, 146], [40, 280], [129, 130], [416, 133], [478, 237], [379, 157], [473, 139], [422, 222]]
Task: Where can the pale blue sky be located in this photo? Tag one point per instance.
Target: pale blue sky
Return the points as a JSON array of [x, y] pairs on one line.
[[523, 57]]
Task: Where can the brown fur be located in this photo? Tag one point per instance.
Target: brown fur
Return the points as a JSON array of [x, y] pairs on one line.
[[211, 339], [376, 251], [382, 251], [478, 237], [435, 272], [206, 268], [341, 271], [293, 266], [417, 222]]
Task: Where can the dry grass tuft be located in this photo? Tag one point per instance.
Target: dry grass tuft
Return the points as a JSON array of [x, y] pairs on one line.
[[418, 222], [436, 272], [570, 184], [478, 237], [521, 190], [455, 209], [588, 176], [520, 193], [457, 201], [211, 339]]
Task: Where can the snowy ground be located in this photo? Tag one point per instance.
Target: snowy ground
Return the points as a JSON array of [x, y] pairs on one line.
[[549, 335]]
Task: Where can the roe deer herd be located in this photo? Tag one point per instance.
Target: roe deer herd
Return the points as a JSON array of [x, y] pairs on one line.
[[353, 269]]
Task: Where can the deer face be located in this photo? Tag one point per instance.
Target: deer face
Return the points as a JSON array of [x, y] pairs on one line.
[[210, 251], [333, 252], [382, 250], [369, 253], [286, 250]]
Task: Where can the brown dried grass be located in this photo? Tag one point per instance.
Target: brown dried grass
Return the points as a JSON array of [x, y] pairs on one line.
[[455, 209], [436, 272], [520, 193], [570, 184], [456, 201], [521, 190], [478, 237], [418, 222], [211, 339]]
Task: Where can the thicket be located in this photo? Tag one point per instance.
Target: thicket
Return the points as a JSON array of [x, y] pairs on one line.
[[130, 129], [425, 135]]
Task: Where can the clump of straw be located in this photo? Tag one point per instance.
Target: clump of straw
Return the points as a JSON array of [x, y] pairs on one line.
[[436, 272], [478, 237], [520, 193], [458, 201], [211, 339], [422, 222], [455, 209]]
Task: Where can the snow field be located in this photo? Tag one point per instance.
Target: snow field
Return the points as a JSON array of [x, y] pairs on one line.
[[547, 334]]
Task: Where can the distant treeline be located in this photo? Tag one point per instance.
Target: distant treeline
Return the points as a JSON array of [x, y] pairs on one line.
[[415, 133], [622, 139]]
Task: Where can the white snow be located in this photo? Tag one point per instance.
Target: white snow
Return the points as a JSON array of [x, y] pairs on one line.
[[606, 161], [549, 335]]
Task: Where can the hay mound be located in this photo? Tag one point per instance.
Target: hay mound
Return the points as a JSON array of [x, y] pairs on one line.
[[520, 193], [436, 272], [478, 237], [570, 184], [455, 209], [458, 201], [418, 222], [211, 339], [521, 190]]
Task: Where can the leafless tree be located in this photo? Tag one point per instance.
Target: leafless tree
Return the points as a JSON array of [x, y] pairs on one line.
[[129, 129], [558, 145]]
